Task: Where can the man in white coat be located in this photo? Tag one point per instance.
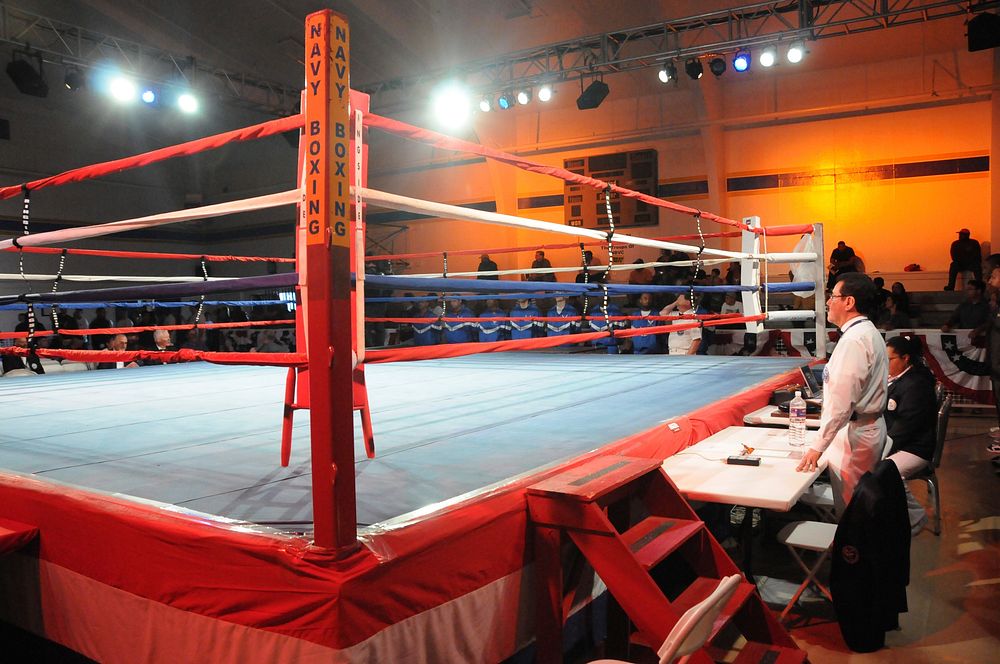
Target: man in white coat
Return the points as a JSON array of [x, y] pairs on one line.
[[854, 390]]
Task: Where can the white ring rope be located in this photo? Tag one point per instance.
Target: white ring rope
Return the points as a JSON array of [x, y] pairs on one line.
[[219, 209], [418, 206], [557, 270]]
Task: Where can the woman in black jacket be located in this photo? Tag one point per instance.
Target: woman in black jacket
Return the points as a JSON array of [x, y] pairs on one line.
[[911, 415]]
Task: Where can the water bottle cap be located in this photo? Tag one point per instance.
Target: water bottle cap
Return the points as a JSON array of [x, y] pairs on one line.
[[798, 393]]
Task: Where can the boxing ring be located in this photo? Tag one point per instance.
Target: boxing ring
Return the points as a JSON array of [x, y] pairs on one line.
[[172, 504]]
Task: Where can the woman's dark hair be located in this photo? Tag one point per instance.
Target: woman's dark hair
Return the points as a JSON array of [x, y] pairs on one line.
[[908, 345]]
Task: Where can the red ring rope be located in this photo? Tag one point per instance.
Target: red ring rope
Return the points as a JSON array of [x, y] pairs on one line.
[[212, 258], [182, 355], [104, 331]]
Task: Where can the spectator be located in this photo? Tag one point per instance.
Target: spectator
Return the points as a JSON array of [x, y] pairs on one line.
[[81, 324], [966, 256], [542, 263], [646, 344], [562, 310], [100, 321], [195, 340], [15, 362], [682, 342], [893, 318], [733, 274], [842, 260], [119, 342], [487, 265], [458, 332], [492, 330], [22, 323], [266, 343], [425, 333], [902, 297], [639, 277], [524, 329], [971, 313], [883, 294], [599, 324], [586, 276]]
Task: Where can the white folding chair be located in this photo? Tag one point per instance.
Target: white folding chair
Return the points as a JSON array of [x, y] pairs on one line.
[[816, 536], [694, 627]]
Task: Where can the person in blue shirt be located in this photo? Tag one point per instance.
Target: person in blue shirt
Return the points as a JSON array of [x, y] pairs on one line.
[[492, 330], [426, 333], [598, 324], [458, 332], [647, 344], [524, 329], [562, 309]]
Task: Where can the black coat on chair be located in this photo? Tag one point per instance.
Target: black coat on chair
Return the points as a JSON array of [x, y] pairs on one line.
[[871, 559]]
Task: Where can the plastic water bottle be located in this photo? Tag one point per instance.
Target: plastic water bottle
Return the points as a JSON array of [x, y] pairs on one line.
[[797, 421]]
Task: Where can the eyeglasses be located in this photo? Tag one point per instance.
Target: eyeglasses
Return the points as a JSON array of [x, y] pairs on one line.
[[833, 296]]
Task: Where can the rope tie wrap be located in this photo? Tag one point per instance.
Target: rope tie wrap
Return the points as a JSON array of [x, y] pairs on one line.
[[55, 287], [586, 280], [699, 264], [444, 275], [25, 223], [611, 259], [201, 300]]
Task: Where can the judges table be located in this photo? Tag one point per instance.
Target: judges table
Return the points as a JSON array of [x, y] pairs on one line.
[[771, 416], [701, 473]]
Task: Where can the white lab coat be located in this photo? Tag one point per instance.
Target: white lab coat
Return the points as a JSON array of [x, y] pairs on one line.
[[855, 380]]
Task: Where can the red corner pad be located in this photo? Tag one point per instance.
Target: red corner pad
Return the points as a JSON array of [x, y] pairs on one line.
[[14, 535]]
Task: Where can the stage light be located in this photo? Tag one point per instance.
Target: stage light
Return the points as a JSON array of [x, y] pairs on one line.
[[148, 96], [592, 96], [74, 79], [694, 68], [717, 66], [768, 56], [524, 96], [741, 61], [29, 81], [452, 106], [667, 73], [545, 92], [122, 89], [795, 52], [187, 102], [486, 104], [505, 101]]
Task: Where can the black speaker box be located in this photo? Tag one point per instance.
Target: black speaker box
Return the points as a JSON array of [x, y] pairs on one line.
[[593, 95]]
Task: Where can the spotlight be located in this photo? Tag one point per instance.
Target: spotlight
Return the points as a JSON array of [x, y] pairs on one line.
[[486, 104], [667, 73], [187, 102], [148, 96], [694, 68], [505, 101], [74, 79], [122, 89], [451, 105], [741, 61], [717, 66], [29, 81], [545, 92], [524, 96], [795, 52], [592, 96], [768, 56]]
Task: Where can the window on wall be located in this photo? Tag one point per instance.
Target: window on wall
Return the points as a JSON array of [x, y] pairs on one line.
[[585, 206]]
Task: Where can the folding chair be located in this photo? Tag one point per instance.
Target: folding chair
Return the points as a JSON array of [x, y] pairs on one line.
[[927, 474], [814, 536], [693, 628]]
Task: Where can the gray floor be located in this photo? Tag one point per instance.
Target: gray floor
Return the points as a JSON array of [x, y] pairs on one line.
[[206, 437]]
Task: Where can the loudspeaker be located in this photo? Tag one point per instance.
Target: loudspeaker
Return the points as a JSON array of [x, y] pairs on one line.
[[4, 129], [984, 32], [27, 80], [593, 95]]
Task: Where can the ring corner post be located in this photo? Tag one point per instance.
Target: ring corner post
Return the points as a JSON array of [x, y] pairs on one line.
[[750, 274], [327, 204], [820, 291]]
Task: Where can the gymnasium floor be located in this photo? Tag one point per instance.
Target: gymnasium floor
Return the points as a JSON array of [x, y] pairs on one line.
[[206, 437]]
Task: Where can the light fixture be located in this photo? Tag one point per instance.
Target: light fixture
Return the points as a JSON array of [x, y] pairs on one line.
[[486, 104], [524, 96], [694, 68], [593, 95], [148, 96], [122, 89], [187, 102], [505, 101], [795, 52], [74, 79], [545, 92], [667, 73], [741, 61], [768, 56], [28, 79], [717, 66], [451, 105]]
